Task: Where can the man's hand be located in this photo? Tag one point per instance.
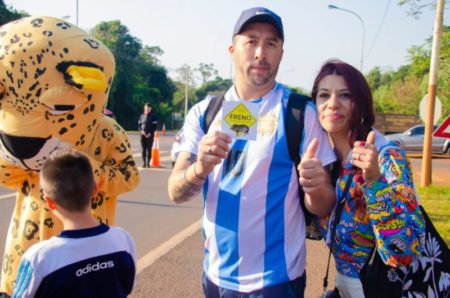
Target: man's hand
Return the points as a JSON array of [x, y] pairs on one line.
[[315, 180], [190, 171], [312, 173], [365, 157], [212, 149]]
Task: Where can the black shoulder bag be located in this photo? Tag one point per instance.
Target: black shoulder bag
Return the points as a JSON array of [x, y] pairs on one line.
[[427, 276]]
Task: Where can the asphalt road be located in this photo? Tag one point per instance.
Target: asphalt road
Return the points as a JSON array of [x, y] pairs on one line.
[[178, 273]]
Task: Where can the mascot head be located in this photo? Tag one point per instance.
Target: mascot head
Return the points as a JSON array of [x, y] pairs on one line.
[[54, 84]]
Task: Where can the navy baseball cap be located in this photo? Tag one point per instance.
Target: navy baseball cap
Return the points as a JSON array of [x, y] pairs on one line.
[[258, 15]]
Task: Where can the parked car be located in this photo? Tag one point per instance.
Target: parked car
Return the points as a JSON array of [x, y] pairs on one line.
[[176, 143], [412, 140]]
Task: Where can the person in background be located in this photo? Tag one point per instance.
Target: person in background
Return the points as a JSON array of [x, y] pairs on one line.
[[147, 125], [109, 113], [87, 259], [380, 208], [252, 220]]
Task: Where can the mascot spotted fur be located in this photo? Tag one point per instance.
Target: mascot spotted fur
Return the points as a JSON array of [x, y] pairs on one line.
[[54, 83]]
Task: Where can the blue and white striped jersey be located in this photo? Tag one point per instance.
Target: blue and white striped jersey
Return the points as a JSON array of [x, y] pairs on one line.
[[95, 262], [252, 221]]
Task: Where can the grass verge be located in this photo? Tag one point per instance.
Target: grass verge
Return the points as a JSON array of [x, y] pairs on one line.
[[436, 201]]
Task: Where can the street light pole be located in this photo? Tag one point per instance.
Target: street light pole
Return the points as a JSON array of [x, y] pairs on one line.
[[77, 14], [331, 6]]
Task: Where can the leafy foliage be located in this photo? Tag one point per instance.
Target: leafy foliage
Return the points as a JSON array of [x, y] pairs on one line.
[[214, 87], [139, 76], [416, 6], [186, 85], [206, 71], [8, 14], [401, 91]]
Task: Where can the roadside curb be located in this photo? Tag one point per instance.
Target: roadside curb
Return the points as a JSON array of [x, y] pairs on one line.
[[436, 156]]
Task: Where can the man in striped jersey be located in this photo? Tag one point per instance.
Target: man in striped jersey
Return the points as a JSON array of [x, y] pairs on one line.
[[252, 221]]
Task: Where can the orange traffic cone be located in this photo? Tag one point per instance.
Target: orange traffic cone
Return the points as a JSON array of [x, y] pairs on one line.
[[164, 129], [155, 152]]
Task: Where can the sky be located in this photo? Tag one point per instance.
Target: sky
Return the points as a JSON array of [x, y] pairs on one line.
[[199, 31]]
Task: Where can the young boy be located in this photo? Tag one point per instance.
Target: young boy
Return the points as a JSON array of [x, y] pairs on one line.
[[88, 259]]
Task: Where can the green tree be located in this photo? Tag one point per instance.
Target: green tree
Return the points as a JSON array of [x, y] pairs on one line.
[[151, 54], [8, 14], [206, 71], [138, 79], [416, 6], [185, 83], [125, 49], [374, 78], [218, 85], [419, 57], [400, 91]]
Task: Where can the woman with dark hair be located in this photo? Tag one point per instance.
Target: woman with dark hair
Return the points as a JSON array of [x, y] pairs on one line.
[[380, 209]]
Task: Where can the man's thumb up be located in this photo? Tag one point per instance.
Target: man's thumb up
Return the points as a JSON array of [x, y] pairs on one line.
[[311, 150]]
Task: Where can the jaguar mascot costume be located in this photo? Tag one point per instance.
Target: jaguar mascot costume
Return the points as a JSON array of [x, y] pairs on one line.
[[54, 84]]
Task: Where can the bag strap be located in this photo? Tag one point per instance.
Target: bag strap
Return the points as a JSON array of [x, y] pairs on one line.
[[337, 216], [294, 124]]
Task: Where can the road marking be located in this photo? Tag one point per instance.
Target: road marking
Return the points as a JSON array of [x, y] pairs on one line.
[[8, 196], [167, 246]]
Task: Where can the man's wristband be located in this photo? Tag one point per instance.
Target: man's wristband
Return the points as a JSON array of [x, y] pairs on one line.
[[197, 176]]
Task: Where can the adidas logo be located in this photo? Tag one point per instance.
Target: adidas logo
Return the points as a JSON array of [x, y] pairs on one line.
[[91, 268]]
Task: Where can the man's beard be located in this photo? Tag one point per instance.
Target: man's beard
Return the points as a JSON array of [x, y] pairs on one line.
[[261, 79]]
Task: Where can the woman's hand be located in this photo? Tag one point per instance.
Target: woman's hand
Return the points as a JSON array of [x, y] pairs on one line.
[[365, 157]]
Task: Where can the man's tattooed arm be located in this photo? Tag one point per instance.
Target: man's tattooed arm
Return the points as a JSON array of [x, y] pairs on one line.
[[184, 183]]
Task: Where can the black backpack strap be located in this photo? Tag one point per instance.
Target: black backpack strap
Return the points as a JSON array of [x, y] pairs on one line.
[[211, 111], [294, 123]]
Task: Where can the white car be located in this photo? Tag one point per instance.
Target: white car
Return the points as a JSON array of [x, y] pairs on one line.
[[176, 143]]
